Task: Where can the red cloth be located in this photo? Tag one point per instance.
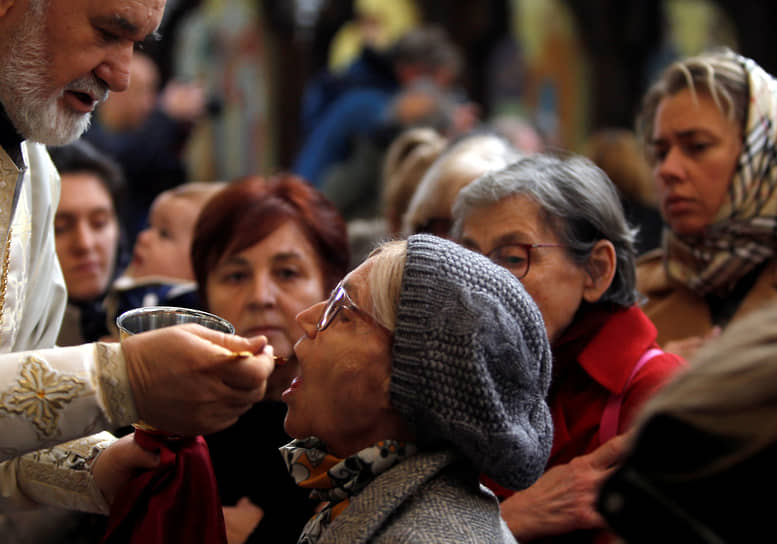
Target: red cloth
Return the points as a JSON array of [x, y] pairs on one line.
[[177, 502]]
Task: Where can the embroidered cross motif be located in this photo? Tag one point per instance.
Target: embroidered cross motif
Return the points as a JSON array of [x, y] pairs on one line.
[[39, 395]]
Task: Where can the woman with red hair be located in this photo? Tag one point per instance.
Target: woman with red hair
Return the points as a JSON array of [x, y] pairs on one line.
[[263, 250]]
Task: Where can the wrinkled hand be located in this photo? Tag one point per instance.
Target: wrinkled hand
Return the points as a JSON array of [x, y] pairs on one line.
[[118, 463], [186, 380], [241, 520], [687, 347], [563, 499]]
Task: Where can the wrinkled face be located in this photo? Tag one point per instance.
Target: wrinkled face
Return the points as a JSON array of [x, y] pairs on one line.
[[87, 235], [59, 64], [342, 392], [163, 248], [695, 149], [554, 280], [261, 289]]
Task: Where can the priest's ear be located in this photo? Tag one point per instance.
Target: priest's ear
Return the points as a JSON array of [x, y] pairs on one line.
[[601, 270]]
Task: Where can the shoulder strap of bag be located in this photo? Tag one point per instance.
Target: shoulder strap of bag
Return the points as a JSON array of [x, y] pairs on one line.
[[608, 427]]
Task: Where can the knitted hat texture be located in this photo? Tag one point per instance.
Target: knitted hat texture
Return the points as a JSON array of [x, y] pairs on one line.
[[472, 362]]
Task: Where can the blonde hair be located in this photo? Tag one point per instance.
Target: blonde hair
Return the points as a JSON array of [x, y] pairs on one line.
[[387, 265], [718, 73], [408, 158], [729, 390]]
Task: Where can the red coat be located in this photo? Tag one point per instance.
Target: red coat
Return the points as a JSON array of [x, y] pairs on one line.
[[582, 387], [580, 393]]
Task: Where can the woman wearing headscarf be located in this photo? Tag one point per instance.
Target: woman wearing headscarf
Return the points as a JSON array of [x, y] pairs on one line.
[[708, 126]]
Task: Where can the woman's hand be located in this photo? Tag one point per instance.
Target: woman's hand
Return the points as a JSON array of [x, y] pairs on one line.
[[118, 463], [563, 499], [241, 520]]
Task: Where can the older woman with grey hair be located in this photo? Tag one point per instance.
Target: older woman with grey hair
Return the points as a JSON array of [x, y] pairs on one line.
[[557, 224]]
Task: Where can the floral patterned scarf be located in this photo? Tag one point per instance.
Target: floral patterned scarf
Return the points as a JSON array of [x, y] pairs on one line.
[[335, 480], [744, 233]]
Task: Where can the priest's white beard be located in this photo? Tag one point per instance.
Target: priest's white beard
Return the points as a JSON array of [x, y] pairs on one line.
[[35, 115]]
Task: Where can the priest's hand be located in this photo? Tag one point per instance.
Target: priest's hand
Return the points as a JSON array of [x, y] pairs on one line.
[[191, 380]]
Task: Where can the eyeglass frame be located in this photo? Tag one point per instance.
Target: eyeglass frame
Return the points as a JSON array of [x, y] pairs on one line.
[[527, 247], [340, 293]]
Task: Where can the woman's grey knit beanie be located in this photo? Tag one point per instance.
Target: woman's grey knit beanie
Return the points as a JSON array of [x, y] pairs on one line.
[[471, 361]]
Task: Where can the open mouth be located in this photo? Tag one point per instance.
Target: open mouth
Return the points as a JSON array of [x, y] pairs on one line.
[[84, 98], [79, 101]]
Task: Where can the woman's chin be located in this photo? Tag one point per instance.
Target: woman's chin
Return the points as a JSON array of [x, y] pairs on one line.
[[291, 428]]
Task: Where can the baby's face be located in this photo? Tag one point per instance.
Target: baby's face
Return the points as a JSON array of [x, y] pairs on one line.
[[163, 248]]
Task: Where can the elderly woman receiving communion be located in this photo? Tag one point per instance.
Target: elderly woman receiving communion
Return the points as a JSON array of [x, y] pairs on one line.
[[427, 366]]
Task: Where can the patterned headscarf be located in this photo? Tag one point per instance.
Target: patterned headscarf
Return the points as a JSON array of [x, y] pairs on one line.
[[744, 233]]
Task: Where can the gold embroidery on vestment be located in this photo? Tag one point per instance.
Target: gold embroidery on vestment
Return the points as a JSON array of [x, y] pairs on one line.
[[39, 394]]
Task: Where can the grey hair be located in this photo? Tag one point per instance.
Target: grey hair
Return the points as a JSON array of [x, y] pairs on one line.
[[718, 73], [462, 161], [578, 201]]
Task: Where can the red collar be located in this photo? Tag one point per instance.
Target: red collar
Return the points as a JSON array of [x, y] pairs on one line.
[[625, 337], [622, 335]]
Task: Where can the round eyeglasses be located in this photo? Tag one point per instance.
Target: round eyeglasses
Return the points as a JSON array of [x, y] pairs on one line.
[[516, 257]]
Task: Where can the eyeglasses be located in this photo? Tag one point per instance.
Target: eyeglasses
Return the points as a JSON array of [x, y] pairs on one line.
[[516, 257], [339, 300]]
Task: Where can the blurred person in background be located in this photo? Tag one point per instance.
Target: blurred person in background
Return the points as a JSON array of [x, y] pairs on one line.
[[338, 109], [264, 250], [709, 126], [375, 25], [406, 160], [354, 185], [463, 160], [144, 130], [88, 237], [619, 154], [160, 271], [524, 136]]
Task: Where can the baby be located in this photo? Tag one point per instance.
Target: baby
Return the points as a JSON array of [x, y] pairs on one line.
[[160, 273]]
